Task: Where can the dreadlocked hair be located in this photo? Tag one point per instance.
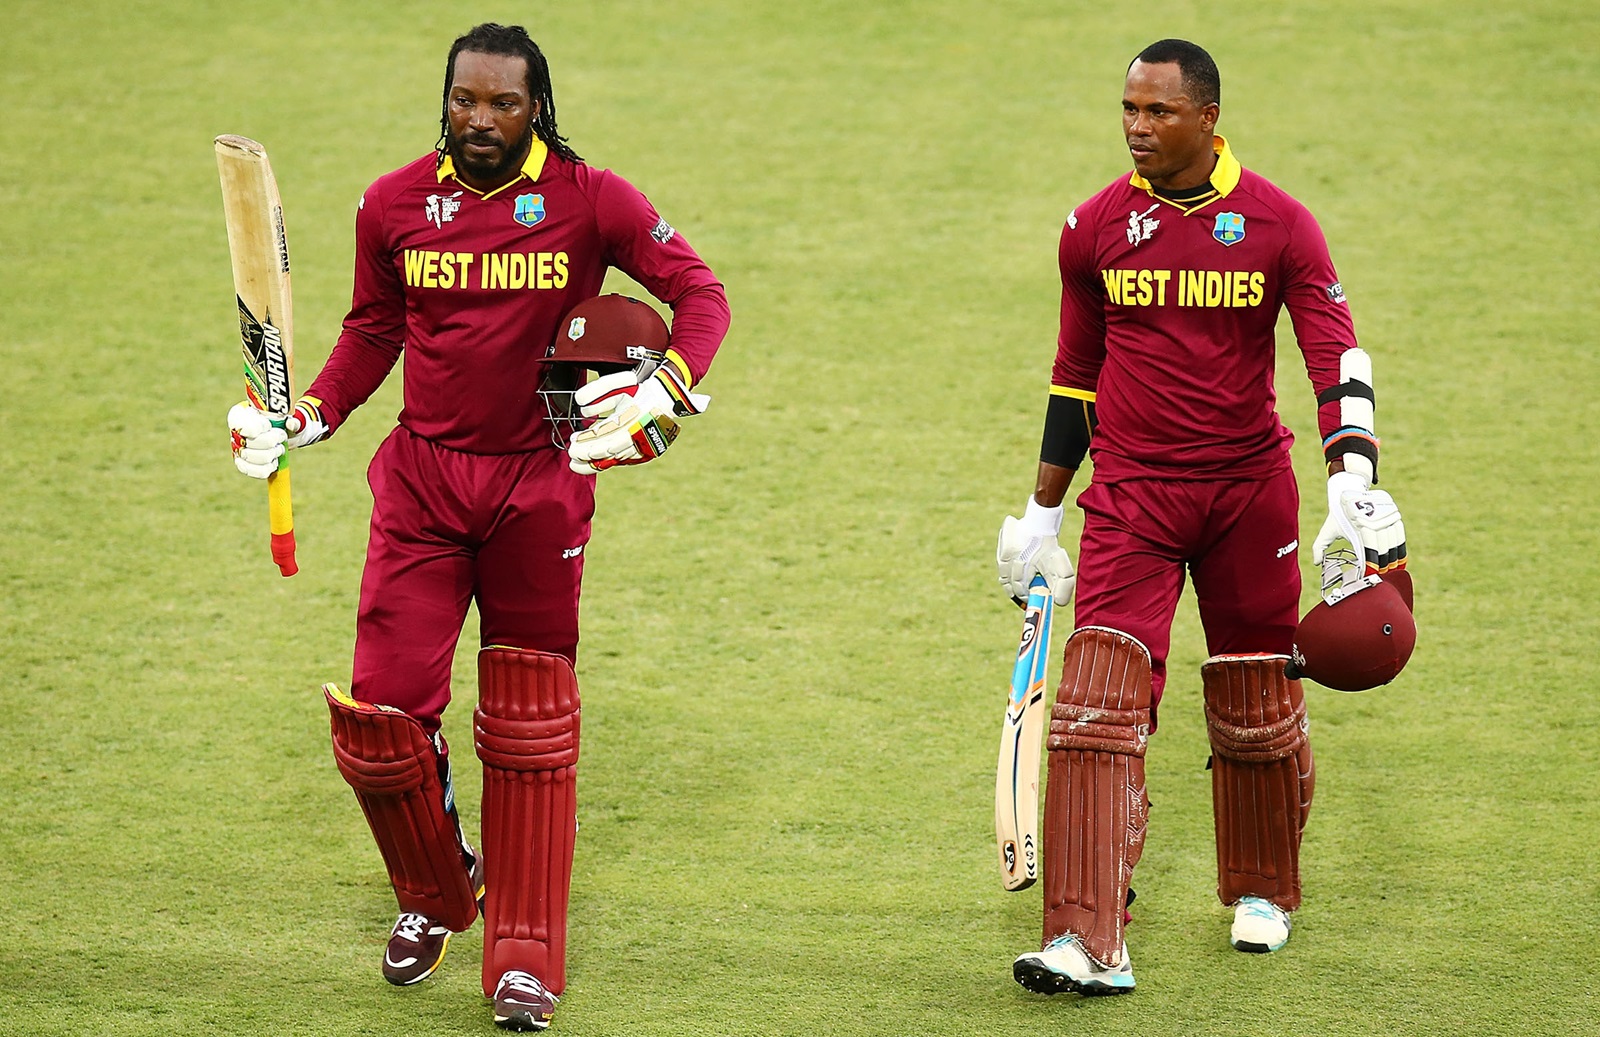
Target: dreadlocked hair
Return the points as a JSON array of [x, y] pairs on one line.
[[510, 41]]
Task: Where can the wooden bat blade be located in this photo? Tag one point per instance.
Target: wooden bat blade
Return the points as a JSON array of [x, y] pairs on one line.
[[260, 254], [1016, 781]]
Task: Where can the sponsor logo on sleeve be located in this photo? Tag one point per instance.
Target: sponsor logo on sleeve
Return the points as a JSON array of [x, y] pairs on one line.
[[1072, 220], [529, 209], [1336, 292], [1229, 228], [662, 231]]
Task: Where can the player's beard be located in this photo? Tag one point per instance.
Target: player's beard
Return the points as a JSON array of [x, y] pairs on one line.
[[488, 170]]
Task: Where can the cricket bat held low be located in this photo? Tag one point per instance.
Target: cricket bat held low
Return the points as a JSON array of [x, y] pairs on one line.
[[1016, 780]]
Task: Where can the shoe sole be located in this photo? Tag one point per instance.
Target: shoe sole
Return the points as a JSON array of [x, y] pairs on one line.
[[520, 1021], [1035, 977], [1256, 948]]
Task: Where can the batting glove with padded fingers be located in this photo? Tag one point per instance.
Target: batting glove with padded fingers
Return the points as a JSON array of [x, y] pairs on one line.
[[259, 444], [1367, 519], [1027, 546], [637, 419]]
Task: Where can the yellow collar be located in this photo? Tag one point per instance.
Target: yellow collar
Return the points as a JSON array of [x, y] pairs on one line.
[[1224, 177], [530, 169]]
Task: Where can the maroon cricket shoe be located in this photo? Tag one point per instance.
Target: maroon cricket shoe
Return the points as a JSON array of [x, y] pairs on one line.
[[417, 945], [521, 1002]]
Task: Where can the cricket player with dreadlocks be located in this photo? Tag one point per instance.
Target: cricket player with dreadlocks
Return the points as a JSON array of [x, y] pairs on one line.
[[1172, 280], [471, 259]]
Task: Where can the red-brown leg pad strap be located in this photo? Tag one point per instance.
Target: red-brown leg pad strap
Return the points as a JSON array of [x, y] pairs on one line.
[[1095, 805], [527, 733], [1262, 776], [402, 781]]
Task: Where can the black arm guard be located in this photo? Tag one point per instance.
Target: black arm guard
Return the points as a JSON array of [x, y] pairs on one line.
[[1068, 426]]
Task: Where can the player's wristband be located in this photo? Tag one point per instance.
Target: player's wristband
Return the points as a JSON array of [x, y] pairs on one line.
[[1351, 440]]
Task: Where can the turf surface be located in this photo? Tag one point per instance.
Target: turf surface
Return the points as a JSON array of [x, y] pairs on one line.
[[794, 654]]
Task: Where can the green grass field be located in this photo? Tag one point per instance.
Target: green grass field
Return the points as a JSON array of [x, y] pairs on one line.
[[794, 653]]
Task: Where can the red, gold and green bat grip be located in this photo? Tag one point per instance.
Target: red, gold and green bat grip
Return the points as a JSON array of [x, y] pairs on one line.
[[280, 515]]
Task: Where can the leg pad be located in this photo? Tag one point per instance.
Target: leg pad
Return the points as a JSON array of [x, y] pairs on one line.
[[401, 778], [1095, 804], [1262, 776], [526, 727]]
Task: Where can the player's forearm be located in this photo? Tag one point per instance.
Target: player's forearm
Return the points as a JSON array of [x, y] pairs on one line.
[[1345, 415], [700, 319], [1050, 488], [1069, 422], [352, 374]]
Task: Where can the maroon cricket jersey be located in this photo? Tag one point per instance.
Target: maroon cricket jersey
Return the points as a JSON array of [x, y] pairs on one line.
[[1167, 316], [473, 287]]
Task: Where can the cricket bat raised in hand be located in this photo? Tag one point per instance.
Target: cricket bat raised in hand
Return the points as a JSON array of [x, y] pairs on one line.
[[1016, 779], [266, 319]]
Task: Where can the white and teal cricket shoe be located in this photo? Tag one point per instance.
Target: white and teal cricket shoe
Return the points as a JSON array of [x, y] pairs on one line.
[[1065, 967], [1259, 926]]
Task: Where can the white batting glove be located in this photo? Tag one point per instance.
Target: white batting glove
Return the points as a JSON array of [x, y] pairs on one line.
[[1368, 519], [305, 426], [1027, 546], [257, 442], [259, 445], [638, 420]]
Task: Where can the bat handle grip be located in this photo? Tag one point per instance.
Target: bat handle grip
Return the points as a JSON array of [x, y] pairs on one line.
[[280, 515]]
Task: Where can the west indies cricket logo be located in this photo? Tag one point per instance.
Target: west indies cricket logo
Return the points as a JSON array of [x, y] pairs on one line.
[[530, 209], [1229, 228]]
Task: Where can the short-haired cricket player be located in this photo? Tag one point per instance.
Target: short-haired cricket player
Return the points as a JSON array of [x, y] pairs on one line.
[[1172, 279], [469, 259]]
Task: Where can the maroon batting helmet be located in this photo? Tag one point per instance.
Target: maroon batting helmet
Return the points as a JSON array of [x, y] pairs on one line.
[[599, 336], [1357, 638]]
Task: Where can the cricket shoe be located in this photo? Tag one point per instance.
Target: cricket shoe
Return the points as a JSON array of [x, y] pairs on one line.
[[417, 945], [1259, 926], [522, 1003], [1065, 967]]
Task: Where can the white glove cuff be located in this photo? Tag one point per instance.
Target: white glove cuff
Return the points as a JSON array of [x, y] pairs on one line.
[[1341, 483], [1040, 521], [653, 397], [1361, 467]]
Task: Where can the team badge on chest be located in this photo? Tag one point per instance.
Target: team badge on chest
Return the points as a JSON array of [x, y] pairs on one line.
[[529, 210], [1229, 228]]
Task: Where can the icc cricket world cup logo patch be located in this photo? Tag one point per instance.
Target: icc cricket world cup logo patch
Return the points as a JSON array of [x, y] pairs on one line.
[[1229, 228]]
